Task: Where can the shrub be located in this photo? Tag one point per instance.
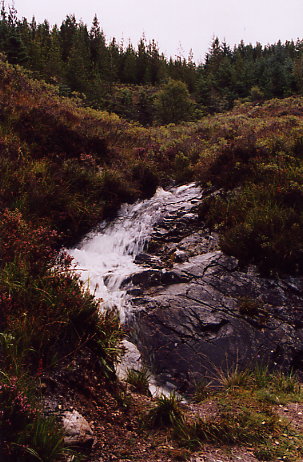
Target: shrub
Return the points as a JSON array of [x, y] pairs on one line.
[[257, 228], [21, 241], [146, 179], [46, 311]]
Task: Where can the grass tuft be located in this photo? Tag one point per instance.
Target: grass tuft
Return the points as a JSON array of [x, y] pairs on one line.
[[233, 377], [166, 413], [139, 379]]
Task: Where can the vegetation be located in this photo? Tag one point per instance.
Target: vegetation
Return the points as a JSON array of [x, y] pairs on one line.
[[66, 165], [259, 170], [26, 434], [126, 79], [46, 314], [165, 413], [173, 103], [139, 379], [244, 416]]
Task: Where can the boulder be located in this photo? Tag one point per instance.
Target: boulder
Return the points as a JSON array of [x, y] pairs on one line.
[[77, 431], [130, 360]]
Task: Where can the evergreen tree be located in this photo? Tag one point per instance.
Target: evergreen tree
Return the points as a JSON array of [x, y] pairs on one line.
[[97, 46], [15, 50], [78, 60], [68, 32], [128, 73]]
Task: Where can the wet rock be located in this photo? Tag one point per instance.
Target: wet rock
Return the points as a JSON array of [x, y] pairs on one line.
[[180, 255], [205, 313], [145, 279], [77, 430], [191, 329], [149, 260], [135, 292], [173, 277], [151, 278]]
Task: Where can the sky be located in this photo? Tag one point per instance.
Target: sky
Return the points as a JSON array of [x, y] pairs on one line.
[[179, 25]]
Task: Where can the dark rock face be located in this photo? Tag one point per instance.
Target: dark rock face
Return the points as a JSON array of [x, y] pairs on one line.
[[201, 312]]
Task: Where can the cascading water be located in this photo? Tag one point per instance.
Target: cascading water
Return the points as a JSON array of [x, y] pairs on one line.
[[107, 257]]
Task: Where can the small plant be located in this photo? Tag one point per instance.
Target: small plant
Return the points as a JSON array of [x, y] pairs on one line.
[[202, 390], [233, 377], [26, 433], [139, 379], [286, 383], [45, 440], [16, 408], [249, 307], [287, 450], [166, 413], [244, 426], [268, 397], [187, 435], [261, 376]]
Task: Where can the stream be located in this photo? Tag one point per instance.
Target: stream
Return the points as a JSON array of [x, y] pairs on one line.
[[106, 256], [185, 331]]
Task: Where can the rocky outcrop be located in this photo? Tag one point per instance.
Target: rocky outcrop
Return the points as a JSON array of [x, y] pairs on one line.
[[196, 311]]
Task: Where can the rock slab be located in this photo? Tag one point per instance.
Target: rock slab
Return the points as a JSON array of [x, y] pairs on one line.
[[200, 312]]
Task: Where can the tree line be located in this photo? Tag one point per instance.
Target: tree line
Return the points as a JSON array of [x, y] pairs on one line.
[[126, 79]]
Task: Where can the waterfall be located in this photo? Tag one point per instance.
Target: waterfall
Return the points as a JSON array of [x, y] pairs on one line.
[[106, 257]]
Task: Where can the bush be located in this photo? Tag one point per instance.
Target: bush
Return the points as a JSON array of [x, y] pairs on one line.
[[25, 433], [256, 227], [46, 311], [146, 179]]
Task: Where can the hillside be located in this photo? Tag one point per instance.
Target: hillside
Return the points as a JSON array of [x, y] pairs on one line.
[[64, 168]]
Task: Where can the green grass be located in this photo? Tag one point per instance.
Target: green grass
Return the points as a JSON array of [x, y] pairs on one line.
[[203, 389], [165, 413], [245, 414], [231, 377], [139, 379], [242, 420]]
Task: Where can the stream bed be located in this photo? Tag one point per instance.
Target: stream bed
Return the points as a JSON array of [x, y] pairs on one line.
[[105, 258]]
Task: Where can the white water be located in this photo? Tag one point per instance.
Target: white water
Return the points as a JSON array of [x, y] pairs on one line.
[[106, 258]]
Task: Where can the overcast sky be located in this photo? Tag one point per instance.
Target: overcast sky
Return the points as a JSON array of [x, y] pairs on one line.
[[179, 25]]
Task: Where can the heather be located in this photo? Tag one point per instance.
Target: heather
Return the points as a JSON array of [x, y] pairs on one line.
[[48, 317], [250, 163], [64, 168]]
